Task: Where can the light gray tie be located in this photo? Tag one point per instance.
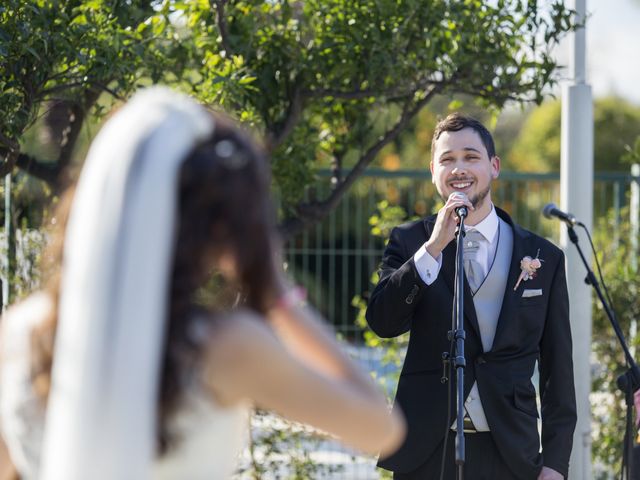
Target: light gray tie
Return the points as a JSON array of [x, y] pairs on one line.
[[472, 268]]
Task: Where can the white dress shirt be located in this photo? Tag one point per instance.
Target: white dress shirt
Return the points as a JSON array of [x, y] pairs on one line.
[[429, 267]]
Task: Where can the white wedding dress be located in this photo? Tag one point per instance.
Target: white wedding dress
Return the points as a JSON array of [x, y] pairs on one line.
[[210, 437]]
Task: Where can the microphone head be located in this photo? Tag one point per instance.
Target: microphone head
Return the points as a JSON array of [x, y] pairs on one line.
[[460, 211], [458, 194], [548, 209]]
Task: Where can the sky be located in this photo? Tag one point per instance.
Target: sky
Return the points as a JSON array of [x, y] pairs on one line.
[[613, 48]]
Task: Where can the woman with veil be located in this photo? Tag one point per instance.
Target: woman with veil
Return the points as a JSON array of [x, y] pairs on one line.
[[169, 316]]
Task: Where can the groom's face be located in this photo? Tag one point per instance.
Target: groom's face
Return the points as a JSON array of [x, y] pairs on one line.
[[461, 163]]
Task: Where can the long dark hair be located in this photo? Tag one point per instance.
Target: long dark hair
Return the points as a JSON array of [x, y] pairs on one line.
[[224, 209]]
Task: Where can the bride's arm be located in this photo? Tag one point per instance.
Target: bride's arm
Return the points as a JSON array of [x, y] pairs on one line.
[[309, 339], [320, 387]]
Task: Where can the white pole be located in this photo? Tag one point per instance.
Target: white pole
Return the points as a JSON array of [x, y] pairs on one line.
[[576, 196], [634, 214]]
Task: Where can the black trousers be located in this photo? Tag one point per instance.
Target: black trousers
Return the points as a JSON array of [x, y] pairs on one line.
[[482, 461], [635, 463]]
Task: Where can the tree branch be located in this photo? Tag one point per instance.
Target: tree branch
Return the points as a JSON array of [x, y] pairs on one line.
[[9, 152], [297, 103], [78, 112], [51, 172], [360, 94], [312, 212], [82, 83], [497, 97], [48, 172], [103, 86], [345, 95], [9, 143], [223, 28], [293, 117], [62, 87], [10, 157]]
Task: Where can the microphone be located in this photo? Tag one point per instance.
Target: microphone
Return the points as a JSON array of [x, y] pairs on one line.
[[461, 212], [551, 210]]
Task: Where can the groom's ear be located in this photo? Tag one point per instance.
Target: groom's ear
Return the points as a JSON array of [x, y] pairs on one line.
[[495, 166]]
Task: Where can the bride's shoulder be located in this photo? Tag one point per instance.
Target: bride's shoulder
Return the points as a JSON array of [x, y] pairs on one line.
[[239, 347], [237, 331], [26, 314]]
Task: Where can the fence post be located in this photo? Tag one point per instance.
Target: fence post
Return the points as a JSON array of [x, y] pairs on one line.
[[6, 260]]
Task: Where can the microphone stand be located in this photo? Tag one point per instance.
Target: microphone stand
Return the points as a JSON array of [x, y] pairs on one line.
[[629, 381], [459, 335]]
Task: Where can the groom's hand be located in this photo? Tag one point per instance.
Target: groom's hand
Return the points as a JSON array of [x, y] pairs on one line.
[[446, 223], [549, 474]]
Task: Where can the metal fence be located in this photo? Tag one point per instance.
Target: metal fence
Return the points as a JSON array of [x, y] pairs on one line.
[[335, 259]]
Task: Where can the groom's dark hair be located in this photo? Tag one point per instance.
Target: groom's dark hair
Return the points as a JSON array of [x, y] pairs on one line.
[[456, 122]]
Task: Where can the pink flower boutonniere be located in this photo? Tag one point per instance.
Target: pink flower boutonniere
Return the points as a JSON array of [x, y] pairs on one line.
[[529, 267]]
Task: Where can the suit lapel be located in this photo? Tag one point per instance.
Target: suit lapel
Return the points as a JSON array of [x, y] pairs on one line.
[[447, 271], [509, 301]]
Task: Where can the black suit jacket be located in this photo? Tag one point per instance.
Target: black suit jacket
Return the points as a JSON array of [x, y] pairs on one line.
[[529, 329]]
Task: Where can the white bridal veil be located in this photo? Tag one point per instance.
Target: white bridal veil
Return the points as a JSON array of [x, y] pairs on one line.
[[101, 414]]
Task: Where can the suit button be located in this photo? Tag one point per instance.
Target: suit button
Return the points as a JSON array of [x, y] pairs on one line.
[[480, 360], [409, 299]]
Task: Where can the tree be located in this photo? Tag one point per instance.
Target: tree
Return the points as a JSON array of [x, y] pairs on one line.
[[537, 148], [57, 57], [346, 78], [326, 82]]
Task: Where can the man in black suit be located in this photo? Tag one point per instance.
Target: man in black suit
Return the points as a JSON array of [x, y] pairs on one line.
[[516, 313]]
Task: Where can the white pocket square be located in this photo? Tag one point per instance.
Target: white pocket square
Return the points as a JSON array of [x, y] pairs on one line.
[[530, 292]]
